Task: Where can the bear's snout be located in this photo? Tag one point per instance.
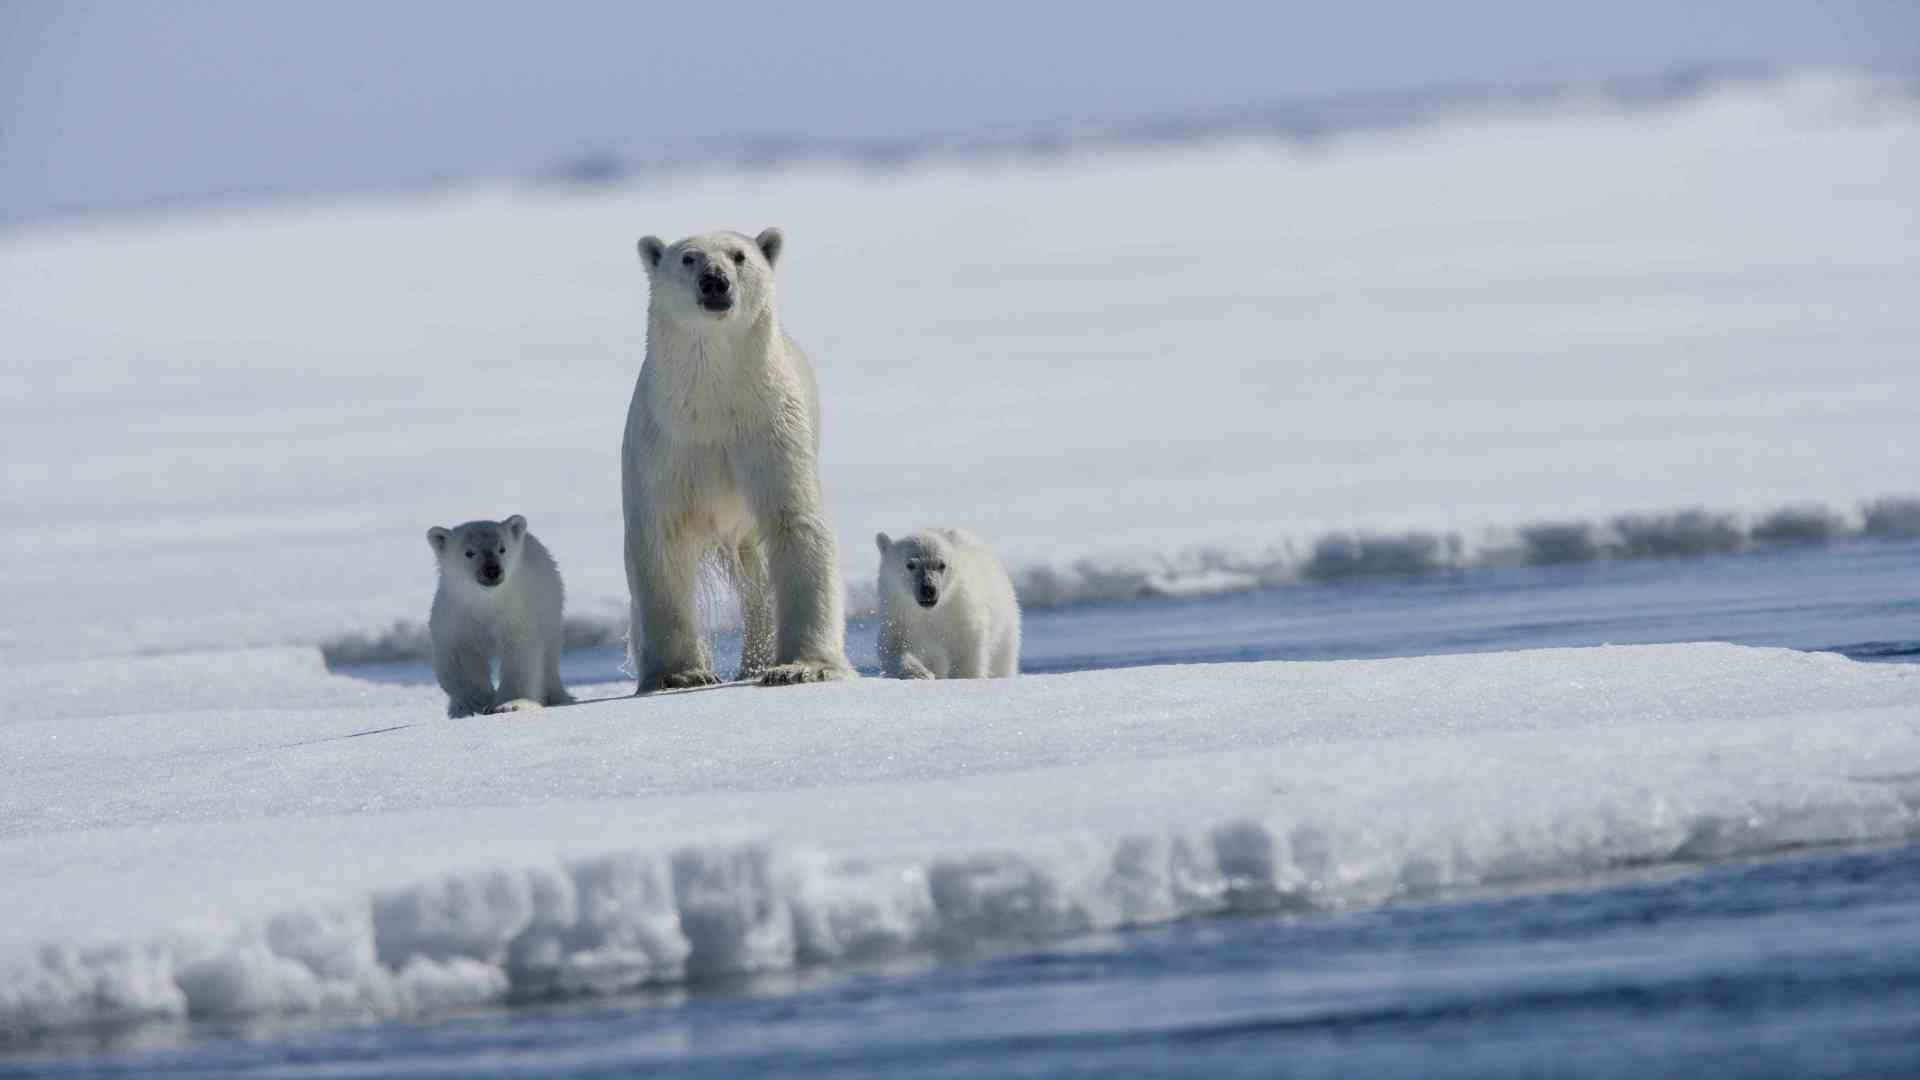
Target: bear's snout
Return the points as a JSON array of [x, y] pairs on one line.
[[716, 291], [928, 596], [491, 573]]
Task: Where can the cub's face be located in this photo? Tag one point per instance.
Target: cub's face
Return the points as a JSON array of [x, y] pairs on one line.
[[712, 278], [915, 566], [479, 553]]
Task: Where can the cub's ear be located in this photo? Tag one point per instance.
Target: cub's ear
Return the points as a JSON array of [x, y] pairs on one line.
[[651, 249], [882, 541], [516, 525], [437, 538], [770, 242]]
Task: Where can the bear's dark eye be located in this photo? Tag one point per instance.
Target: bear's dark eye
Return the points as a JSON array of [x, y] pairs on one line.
[[469, 554], [940, 568], [503, 549], [911, 565], [740, 258], [686, 260]]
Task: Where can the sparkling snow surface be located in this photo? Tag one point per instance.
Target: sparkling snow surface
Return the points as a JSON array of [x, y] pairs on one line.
[[234, 428], [225, 435], [336, 845]]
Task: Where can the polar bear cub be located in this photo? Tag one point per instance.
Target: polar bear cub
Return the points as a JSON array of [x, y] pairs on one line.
[[499, 600], [947, 608]]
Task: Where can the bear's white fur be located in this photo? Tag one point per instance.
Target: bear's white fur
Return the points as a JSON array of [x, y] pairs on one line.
[[720, 460], [947, 608], [499, 599]]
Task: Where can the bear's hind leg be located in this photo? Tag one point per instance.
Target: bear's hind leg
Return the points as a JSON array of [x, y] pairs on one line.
[[908, 666], [671, 654], [1006, 657], [556, 690], [747, 570]]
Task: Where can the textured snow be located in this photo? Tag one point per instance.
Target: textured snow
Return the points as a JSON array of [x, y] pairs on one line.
[[336, 846], [225, 434], [1128, 371]]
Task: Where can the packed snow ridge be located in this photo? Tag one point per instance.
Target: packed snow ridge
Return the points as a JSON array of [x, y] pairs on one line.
[[378, 859], [1358, 553]]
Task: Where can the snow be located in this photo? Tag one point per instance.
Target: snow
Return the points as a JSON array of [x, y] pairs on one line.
[[334, 846], [1129, 371], [1226, 366]]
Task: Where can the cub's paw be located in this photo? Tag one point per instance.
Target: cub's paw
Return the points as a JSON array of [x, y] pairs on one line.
[[680, 680], [804, 671], [516, 705]]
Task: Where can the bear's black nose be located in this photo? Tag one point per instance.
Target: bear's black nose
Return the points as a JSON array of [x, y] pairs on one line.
[[928, 596], [491, 574], [715, 285]]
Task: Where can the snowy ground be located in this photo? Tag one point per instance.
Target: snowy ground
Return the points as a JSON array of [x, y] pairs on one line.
[[332, 845], [225, 435], [233, 428]]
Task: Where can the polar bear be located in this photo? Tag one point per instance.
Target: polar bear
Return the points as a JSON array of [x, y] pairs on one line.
[[499, 599], [947, 609], [720, 460]]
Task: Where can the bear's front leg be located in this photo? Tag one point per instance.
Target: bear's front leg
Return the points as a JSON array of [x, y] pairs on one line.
[[462, 668], [523, 672], [980, 661], [669, 651], [810, 627]]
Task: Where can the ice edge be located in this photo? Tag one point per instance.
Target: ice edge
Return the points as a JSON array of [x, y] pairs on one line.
[[635, 919]]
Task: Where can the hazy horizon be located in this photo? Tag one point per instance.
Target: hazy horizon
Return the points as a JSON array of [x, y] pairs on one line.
[[114, 106]]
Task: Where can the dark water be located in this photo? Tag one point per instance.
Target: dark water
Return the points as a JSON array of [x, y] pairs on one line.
[[1860, 599], [1797, 967]]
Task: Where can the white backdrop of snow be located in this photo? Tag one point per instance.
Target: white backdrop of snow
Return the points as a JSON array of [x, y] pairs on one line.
[[233, 428], [225, 434]]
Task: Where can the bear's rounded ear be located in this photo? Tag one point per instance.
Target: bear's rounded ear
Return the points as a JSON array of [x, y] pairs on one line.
[[516, 525], [882, 541], [651, 250], [437, 538], [770, 242]]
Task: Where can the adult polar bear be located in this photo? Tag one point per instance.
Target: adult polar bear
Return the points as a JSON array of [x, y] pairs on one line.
[[720, 458]]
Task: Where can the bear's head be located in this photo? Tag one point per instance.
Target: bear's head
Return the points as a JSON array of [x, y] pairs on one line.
[[480, 553], [712, 278], [916, 566]]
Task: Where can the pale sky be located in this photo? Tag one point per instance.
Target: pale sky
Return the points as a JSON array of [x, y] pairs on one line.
[[127, 103]]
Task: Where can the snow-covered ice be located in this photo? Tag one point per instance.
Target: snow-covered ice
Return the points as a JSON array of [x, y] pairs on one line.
[[225, 432], [1136, 369], [338, 846]]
